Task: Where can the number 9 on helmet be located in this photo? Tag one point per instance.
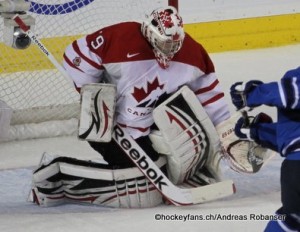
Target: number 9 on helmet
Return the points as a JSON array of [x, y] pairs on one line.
[[163, 29]]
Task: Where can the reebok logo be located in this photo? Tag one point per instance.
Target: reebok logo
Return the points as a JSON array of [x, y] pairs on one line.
[[129, 55], [139, 159]]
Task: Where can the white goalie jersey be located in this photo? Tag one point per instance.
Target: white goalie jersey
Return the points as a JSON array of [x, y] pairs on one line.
[[127, 61]]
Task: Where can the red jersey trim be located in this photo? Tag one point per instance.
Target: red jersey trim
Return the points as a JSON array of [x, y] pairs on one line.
[[213, 99], [208, 88], [71, 63], [136, 128], [89, 61]]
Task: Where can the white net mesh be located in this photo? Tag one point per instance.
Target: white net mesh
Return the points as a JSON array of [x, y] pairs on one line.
[[29, 83]]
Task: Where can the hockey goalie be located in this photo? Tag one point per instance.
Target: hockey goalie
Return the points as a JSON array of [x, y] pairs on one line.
[[149, 93]]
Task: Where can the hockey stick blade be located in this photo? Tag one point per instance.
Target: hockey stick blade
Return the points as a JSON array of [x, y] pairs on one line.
[[176, 195]]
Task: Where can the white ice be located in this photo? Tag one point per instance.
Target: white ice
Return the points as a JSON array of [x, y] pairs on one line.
[[257, 194]]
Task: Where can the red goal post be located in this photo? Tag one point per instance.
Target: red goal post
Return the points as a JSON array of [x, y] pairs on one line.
[[174, 3]]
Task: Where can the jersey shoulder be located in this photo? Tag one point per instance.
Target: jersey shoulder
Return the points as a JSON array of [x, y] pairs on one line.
[[193, 53], [120, 42]]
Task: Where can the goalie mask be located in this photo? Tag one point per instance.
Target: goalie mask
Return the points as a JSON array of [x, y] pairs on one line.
[[164, 31]]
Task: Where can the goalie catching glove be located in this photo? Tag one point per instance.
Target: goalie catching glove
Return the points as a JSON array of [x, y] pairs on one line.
[[238, 143]]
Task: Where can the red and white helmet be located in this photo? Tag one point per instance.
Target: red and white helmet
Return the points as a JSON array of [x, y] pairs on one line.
[[164, 31]]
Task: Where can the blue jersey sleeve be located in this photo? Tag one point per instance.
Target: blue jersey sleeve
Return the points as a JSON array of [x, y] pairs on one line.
[[266, 135], [265, 94], [283, 94]]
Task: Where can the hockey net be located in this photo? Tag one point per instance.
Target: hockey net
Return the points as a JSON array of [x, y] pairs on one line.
[[44, 103]]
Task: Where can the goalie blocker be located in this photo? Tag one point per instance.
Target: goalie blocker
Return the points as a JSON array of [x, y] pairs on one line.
[[97, 112]]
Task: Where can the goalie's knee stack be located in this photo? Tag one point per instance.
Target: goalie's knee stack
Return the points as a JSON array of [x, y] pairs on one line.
[[67, 180]]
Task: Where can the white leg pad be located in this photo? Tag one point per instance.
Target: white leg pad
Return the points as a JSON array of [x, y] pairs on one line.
[[68, 180], [188, 134]]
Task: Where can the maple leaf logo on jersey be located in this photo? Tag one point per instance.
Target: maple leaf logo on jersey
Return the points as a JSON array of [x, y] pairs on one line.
[[140, 94]]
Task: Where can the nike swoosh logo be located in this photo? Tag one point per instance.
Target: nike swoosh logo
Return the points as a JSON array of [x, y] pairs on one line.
[[132, 55]]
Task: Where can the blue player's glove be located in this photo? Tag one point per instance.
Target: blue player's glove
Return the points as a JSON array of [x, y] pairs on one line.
[[242, 130], [239, 91], [245, 128]]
